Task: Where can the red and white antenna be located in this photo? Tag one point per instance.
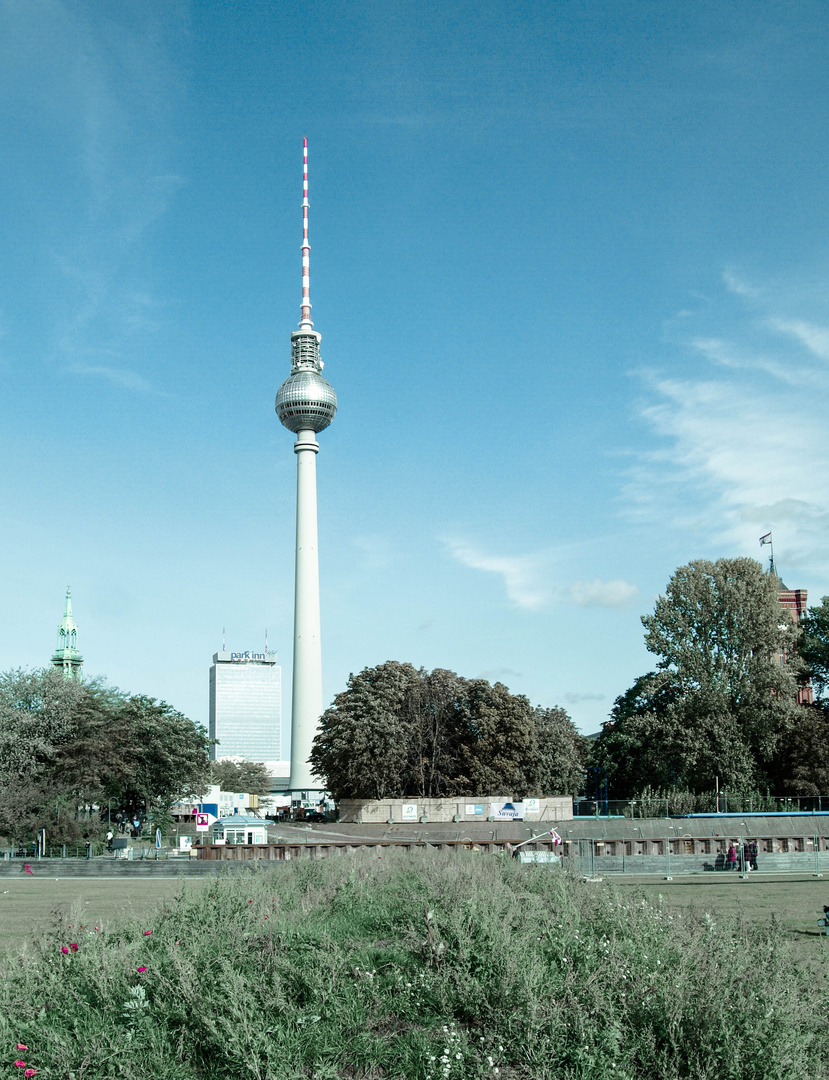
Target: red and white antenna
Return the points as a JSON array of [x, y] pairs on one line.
[[305, 322]]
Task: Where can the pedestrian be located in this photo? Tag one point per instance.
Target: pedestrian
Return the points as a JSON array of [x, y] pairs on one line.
[[752, 854], [731, 857], [109, 840], [746, 857]]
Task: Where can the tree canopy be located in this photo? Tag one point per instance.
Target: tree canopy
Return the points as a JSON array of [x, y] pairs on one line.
[[815, 645], [249, 776], [397, 731], [721, 699], [66, 745]]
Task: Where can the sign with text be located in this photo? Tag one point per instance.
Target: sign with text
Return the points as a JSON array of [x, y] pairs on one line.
[[476, 809], [409, 812], [202, 822], [506, 811]]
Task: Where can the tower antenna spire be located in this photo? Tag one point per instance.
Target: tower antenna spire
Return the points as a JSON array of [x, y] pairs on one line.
[[305, 321]]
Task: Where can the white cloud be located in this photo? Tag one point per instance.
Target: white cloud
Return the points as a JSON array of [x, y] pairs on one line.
[[602, 593], [815, 338], [521, 573], [528, 584], [738, 286]]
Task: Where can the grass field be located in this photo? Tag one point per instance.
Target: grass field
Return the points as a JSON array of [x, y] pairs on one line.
[[29, 906], [794, 903], [421, 966]]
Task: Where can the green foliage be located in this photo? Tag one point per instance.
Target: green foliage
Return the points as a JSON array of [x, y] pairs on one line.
[[815, 645], [414, 966], [720, 703], [802, 766], [652, 802], [67, 745], [398, 731], [248, 776]]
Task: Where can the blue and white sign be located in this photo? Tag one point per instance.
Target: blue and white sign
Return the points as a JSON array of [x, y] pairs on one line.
[[506, 811], [532, 806], [409, 812], [475, 809]]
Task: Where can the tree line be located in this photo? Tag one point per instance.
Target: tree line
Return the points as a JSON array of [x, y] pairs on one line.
[[67, 747], [720, 709], [402, 731]]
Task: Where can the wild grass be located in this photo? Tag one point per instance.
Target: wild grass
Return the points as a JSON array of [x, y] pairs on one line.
[[446, 967]]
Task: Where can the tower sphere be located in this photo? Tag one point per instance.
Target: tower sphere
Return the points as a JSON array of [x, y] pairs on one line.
[[306, 402]]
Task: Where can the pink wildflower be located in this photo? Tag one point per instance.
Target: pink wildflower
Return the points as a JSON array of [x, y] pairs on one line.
[[20, 1064], [147, 933], [141, 969], [74, 946], [30, 1072], [21, 1046], [64, 949]]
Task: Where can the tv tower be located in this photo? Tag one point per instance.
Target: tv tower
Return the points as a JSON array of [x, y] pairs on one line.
[[306, 404]]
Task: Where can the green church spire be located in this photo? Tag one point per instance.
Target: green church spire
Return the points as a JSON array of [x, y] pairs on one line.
[[67, 655]]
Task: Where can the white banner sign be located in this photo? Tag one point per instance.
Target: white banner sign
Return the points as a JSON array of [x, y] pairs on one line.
[[506, 811]]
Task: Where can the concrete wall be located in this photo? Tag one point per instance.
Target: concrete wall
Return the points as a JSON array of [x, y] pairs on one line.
[[414, 811]]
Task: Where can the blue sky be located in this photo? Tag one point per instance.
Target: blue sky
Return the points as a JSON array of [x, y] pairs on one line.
[[570, 266]]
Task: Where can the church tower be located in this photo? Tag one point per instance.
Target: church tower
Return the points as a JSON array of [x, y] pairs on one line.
[[66, 655]]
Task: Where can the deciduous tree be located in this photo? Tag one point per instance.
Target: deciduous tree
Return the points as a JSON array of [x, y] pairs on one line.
[[721, 701], [248, 776]]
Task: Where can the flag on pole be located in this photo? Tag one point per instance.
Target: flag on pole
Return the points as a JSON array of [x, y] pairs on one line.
[[765, 539]]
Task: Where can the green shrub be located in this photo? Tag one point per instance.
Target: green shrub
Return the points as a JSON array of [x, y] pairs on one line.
[[421, 965]]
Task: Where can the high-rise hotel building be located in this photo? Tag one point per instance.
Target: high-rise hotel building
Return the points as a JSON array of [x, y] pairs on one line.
[[246, 706]]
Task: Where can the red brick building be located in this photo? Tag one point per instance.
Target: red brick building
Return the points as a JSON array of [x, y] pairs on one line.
[[794, 601]]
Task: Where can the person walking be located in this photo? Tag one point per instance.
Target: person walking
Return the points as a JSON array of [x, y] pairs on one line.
[[731, 858], [752, 854]]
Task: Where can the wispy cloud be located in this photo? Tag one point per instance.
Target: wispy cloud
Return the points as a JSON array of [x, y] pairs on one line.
[[109, 90], [528, 580], [375, 551], [738, 285], [743, 446], [597, 593], [522, 574], [129, 380], [815, 338], [576, 698]]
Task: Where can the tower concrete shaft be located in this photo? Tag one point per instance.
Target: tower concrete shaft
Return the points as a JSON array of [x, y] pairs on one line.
[[306, 701]]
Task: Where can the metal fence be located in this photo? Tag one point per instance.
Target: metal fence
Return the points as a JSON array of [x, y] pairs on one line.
[[683, 803]]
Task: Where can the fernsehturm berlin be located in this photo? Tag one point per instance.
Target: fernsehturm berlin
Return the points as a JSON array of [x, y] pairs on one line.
[[306, 404]]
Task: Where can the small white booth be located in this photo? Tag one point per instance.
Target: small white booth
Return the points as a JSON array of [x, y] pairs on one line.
[[240, 829]]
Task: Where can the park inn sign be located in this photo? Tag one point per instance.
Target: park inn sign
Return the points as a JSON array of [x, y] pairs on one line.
[[246, 657]]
